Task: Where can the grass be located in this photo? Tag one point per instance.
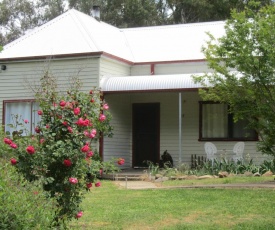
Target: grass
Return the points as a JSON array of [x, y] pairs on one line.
[[226, 180], [111, 207]]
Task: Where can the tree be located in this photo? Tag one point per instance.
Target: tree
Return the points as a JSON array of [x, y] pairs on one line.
[[243, 64], [186, 11], [16, 17]]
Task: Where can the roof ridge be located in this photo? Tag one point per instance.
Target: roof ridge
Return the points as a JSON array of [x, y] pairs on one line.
[[195, 24]]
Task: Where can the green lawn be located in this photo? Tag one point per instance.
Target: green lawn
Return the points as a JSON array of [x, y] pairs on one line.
[[110, 207]]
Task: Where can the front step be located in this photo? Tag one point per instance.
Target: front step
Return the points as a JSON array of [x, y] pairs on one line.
[[123, 177]]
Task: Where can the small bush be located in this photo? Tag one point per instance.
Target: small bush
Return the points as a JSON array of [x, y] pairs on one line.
[[22, 204]]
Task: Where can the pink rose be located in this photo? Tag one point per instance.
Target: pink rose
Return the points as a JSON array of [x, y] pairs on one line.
[[7, 141], [77, 111], [85, 148], [13, 161], [62, 103], [105, 106], [100, 172], [42, 140], [73, 180], [102, 117], [30, 149], [70, 129], [13, 145], [26, 121], [89, 185], [67, 162], [89, 154], [86, 133], [79, 214], [98, 184], [65, 123], [39, 112]]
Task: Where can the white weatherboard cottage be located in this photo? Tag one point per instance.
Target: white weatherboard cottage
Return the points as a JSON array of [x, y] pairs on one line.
[[145, 75]]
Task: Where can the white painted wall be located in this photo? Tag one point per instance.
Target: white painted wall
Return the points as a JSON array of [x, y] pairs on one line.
[[121, 143], [170, 68], [110, 67], [15, 81]]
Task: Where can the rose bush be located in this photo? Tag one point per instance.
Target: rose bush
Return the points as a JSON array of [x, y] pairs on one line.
[[61, 153]]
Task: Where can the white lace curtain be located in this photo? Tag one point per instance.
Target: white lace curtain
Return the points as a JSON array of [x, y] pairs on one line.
[[214, 120], [17, 112]]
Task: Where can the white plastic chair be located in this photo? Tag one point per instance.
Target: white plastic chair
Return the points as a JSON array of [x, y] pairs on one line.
[[210, 150], [238, 150]]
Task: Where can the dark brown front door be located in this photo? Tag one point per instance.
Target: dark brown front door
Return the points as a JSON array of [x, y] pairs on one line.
[[145, 133]]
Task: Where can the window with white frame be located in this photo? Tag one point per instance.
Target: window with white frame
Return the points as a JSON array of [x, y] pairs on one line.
[[217, 124], [20, 115]]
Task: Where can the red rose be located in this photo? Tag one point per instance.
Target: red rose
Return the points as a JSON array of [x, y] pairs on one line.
[[70, 129], [89, 154], [13, 145], [67, 162], [98, 184], [13, 161], [7, 141], [77, 111], [39, 112], [92, 100], [65, 123], [30, 149], [79, 214], [62, 103], [91, 91], [89, 185], [37, 129], [120, 161], [85, 148]]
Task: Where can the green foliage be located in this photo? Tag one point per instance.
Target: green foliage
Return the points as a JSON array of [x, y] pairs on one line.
[[267, 165], [243, 63], [153, 168], [60, 155], [22, 205], [229, 166]]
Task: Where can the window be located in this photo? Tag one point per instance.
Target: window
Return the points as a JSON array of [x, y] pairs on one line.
[[18, 111], [217, 124]]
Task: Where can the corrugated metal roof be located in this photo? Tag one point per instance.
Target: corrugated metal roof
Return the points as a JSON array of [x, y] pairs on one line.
[[149, 82], [74, 32]]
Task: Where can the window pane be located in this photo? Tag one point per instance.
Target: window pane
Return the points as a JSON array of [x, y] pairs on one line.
[[240, 130], [35, 117], [15, 114], [214, 121]]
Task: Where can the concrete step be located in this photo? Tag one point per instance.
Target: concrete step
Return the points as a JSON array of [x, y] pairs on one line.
[[123, 177]]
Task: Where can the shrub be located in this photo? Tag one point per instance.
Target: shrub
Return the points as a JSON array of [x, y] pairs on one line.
[[60, 154], [22, 205]]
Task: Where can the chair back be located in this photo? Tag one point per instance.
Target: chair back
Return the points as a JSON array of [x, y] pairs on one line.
[[238, 148], [210, 150]]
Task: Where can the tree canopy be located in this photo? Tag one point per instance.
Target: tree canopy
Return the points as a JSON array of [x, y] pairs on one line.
[[243, 64], [19, 16]]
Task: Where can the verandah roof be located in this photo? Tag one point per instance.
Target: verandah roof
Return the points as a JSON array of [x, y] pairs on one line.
[[149, 83]]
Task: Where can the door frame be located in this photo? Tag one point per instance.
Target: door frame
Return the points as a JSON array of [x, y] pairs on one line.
[[157, 131]]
